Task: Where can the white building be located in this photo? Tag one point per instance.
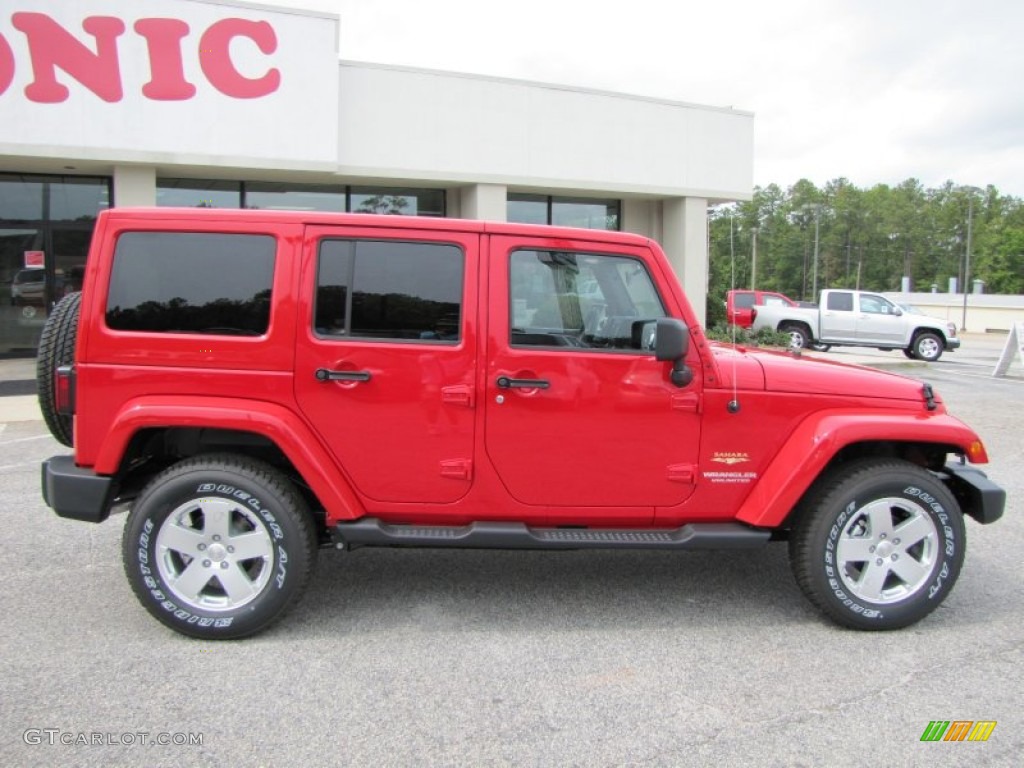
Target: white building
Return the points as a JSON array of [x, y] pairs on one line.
[[190, 102]]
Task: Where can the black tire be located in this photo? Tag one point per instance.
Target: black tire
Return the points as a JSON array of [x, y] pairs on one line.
[[852, 531], [56, 348], [927, 346], [909, 352], [799, 338], [181, 542]]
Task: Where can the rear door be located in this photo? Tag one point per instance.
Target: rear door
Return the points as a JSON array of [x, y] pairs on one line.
[[838, 318], [578, 411], [386, 360]]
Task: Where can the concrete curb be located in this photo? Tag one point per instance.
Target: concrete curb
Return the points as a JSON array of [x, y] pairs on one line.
[[19, 408]]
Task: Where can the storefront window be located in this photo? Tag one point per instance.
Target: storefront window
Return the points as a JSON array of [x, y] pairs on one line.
[[210, 193], [396, 201], [198, 193], [584, 212], [46, 224], [294, 197], [528, 209]]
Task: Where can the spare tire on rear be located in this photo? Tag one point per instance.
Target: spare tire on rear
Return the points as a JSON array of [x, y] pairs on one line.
[[57, 348]]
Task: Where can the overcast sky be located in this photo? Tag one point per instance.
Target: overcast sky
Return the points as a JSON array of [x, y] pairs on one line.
[[877, 91]]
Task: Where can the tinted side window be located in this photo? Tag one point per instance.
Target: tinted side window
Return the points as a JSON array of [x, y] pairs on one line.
[[743, 300], [841, 302], [380, 289], [581, 300], [182, 282]]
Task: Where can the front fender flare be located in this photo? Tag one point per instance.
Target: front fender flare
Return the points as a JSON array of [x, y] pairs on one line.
[[274, 422], [817, 439]]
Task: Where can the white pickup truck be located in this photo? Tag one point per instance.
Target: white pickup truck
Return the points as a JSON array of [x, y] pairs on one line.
[[859, 319]]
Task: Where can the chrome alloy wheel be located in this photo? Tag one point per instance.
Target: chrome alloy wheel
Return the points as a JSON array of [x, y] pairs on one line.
[[214, 554], [887, 551]]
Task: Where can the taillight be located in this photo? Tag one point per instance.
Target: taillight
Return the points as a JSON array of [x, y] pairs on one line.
[[64, 390]]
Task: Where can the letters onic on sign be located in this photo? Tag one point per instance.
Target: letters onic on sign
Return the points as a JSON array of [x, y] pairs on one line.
[[52, 47]]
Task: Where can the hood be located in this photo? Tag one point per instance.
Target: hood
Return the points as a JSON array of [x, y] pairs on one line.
[[785, 372]]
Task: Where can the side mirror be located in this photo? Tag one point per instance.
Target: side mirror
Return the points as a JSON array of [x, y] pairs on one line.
[[671, 343], [897, 311]]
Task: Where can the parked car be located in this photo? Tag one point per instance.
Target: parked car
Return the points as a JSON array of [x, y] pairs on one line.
[[28, 286], [861, 319], [740, 303], [259, 387]]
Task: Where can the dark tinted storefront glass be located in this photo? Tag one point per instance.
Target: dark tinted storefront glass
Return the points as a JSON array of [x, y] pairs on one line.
[[46, 224], [198, 193], [582, 212], [294, 197], [397, 201], [528, 209], [78, 199], [21, 198], [588, 214]]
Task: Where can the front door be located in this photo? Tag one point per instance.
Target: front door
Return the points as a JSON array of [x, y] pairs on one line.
[[878, 322], [386, 361], [578, 411]]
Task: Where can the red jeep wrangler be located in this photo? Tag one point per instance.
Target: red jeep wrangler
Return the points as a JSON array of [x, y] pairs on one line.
[[255, 386]]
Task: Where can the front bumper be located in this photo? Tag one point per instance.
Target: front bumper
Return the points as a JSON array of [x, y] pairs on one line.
[[953, 342], [75, 492], [979, 497]]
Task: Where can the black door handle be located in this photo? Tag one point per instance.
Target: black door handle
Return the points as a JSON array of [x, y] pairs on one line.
[[322, 374], [504, 382]]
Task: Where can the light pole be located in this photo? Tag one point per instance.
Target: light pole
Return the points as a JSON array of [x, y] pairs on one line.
[[967, 257], [816, 207], [753, 261]]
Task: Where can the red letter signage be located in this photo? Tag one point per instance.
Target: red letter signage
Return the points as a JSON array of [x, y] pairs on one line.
[[163, 36], [51, 46], [215, 58], [6, 65]]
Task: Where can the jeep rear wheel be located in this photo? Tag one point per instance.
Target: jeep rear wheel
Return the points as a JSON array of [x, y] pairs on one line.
[[878, 545], [57, 348], [219, 547]]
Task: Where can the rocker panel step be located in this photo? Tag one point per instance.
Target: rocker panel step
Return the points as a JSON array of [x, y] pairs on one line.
[[370, 531]]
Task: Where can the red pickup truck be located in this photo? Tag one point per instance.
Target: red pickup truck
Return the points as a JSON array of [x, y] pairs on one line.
[[740, 303], [256, 386]]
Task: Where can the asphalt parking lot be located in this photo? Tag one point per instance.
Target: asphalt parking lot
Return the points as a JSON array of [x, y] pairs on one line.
[[514, 658]]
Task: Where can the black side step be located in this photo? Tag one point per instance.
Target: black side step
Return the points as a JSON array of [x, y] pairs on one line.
[[370, 531]]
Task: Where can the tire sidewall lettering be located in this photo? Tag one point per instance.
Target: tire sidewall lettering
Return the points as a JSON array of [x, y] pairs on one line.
[[146, 556], [938, 584]]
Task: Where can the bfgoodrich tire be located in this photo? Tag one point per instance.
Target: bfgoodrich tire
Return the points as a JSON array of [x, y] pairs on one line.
[[878, 545], [56, 348], [219, 546]]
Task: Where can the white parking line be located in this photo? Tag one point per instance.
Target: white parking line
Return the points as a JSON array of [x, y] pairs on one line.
[[25, 439]]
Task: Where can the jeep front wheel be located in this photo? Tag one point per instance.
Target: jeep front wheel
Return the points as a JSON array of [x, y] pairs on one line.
[[878, 545], [219, 546]]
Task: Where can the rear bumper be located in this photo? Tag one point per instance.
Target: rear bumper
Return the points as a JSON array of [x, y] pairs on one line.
[[75, 492], [979, 497]]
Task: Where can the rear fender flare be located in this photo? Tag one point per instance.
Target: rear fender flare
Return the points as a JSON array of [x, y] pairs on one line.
[[274, 422]]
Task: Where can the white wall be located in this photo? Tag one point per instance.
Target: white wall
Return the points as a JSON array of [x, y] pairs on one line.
[[417, 124]]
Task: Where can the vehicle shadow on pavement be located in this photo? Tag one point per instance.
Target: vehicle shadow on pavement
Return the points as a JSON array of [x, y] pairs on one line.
[[389, 590]]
